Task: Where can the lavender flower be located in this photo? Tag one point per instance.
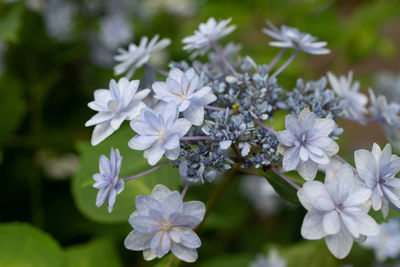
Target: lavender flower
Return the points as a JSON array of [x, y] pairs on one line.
[[207, 35], [355, 102], [107, 180], [387, 243], [182, 89], [289, 37], [162, 222], [306, 143], [380, 109], [137, 56], [337, 212], [377, 169], [121, 102], [159, 134]]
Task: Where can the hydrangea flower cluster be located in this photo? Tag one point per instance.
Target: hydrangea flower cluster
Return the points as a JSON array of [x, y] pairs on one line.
[[209, 117]]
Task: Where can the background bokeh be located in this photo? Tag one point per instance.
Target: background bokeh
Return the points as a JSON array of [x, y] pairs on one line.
[[54, 54]]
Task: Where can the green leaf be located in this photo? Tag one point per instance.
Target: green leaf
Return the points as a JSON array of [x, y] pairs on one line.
[[11, 107], [96, 253], [10, 22], [282, 188], [308, 254], [132, 163], [377, 215], [24, 245]]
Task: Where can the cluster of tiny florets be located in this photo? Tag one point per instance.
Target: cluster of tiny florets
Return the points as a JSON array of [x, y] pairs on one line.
[[208, 117]]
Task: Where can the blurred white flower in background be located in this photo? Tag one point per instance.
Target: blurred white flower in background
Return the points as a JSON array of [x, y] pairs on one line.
[[137, 55], [115, 31], [58, 16], [387, 243], [207, 35], [261, 194], [389, 86], [355, 102], [290, 37], [58, 167], [271, 260], [173, 7]]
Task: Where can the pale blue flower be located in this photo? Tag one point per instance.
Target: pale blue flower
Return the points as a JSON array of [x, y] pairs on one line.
[[136, 56], [380, 109], [108, 181], [207, 35], [182, 89], [163, 223], [306, 143], [289, 37], [387, 243], [159, 134], [355, 102], [271, 260], [337, 211], [378, 169], [121, 102]]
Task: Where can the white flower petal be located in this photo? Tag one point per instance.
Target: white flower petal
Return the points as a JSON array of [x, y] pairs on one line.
[[101, 132], [171, 142], [142, 142], [340, 244], [138, 241], [155, 153], [194, 208], [312, 226], [307, 169], [184, 253], [331, 223]]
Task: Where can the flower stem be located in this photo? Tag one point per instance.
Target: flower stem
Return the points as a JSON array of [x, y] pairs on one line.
[[148, 171], [339, 158], [284, 177], [275, 59], [185, 189], [257, 121], [365, 120], [284, 66], [195, 138], [214, 108], [222, 57], [155, 69]]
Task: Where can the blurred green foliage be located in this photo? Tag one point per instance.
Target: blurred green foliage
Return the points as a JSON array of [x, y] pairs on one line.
[[46, 84]]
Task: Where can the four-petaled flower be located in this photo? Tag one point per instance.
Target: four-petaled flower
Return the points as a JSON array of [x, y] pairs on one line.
[[137, 56], [377, 169], [159, 133], [207, 35], [181, 88], [121, 102], [306, 143], [355, 102], [381, 110], [162, 222], [337, 212], [289, 37], [108, 180]]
